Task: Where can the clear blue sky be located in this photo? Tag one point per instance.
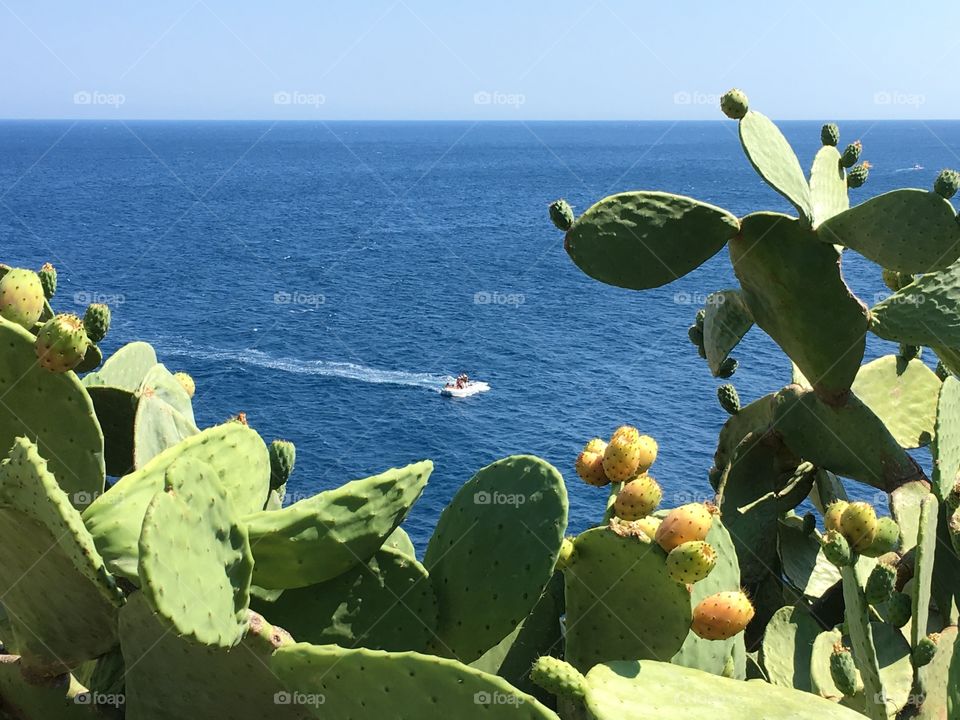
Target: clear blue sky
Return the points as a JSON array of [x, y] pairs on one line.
[[497, 59]]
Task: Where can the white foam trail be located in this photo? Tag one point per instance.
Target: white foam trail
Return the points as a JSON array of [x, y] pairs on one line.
[[324, 368]]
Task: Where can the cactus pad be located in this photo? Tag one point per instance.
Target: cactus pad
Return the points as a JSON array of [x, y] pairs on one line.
[[828, 185], [821, 326], [903, 395], [126, 368], [925, 312], [164, 415], [787, 647], [320, 537], [774, 160], [912, 231], [493, 552], [946, 446], [725, 323], [642, 240]]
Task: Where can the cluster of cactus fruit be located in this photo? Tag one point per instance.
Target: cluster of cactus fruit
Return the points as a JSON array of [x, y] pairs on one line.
[[857, 611]]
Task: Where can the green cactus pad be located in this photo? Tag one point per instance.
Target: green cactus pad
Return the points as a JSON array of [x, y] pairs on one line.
[[903, 395], [615, 584], [803, 561], [60, 600], [642, 240], [375, 684], [819, 324], [828, 185], [936, 676], [925, 312], [164, 415], [236, 453], [863, 644], [321, 537], [175, 678], [713, 655], [923, 568], [493, 552], [386, 603], [126, 368], [51, 700], [753, 418], [946, 445], [788, 646], [913, 231], [399, 540], [848, 440], [195, 560], [54, 411], [905, 504], [774, 160], [726, 322]]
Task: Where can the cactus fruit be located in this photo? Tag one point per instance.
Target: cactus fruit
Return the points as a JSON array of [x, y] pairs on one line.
[[831, 518], [723, 615], [283, 455], [647, 525], [953, 497], [691, 562], [695, 334], [561, 214], [21, 297], [836, 548], [953, 528], [925, 649], [830, 134], [558, 677], [851, 153], [843, 670], [589, 463], [809, 524], [648, 452], [686, 523], [96, 321], [621, 458], [700, 318], [637, 498], [942, 371], [947, 183], [61, 343], [899, 609], [186, 382], [896, 281], [565, 556], [729, 399], [859, 525], [727, 368], [880, 584], [886, 540], [734, 104], [48, 280], [858, 175]]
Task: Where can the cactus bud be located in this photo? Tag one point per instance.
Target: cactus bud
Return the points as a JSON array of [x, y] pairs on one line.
[[925, 649], [843, 670], [858, 175], [558, 677], [729, 399], [727, 368], [896, 280], [700, 318], [880, 584], [836, 549], [809, 523], [830, 134], [899, 609], [186, 382], [48, 279], [283, 455], [953, 497], [851, 153], [695, 335], [734, 104], [96, 321], [947, 183], [942, 371], [561, 214]]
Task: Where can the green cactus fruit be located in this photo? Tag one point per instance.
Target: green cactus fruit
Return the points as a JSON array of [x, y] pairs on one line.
[[809, 524], [589, 463], [947, 183], [96, 321], [942, 371], [727, 368], [925, 649], [621, 458], [48, 280], [686, 523], [91, 360], [909, 352], [899, 609], [566, 554], [881, 584], [186, 382], [734, 104], [61, 343], [851, 153], [695, 334], [283, 455], [558, 677], [561, 214], [830, 134], [637, 498], [886, 540], [859, 525], [21, 297], [895, 280], [831, 518], [843, 670], [700, 318], [729, 399], [836, 548], [723, 615], [858, 175], [691, 562]]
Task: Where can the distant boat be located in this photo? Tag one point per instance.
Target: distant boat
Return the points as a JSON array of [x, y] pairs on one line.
[[463, 387]]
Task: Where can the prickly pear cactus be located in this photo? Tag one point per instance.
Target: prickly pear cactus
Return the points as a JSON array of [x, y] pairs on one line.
[[21, 297]]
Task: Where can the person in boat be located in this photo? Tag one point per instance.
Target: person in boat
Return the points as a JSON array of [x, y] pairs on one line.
[[462, 380]]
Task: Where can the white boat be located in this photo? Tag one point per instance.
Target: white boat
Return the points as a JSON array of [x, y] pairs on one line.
[[471, 388]]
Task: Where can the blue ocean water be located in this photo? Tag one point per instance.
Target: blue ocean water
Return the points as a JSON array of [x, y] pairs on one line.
[[327, 278]]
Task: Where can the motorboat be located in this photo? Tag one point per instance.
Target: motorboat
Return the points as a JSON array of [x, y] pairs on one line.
[[463, 387]]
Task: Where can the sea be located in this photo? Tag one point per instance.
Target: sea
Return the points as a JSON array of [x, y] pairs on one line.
[[327, 279]]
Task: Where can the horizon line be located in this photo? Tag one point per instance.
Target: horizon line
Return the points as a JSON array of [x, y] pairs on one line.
[[451, 120]]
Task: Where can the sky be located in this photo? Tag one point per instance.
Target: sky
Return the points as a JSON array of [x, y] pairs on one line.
[[491, 60]]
